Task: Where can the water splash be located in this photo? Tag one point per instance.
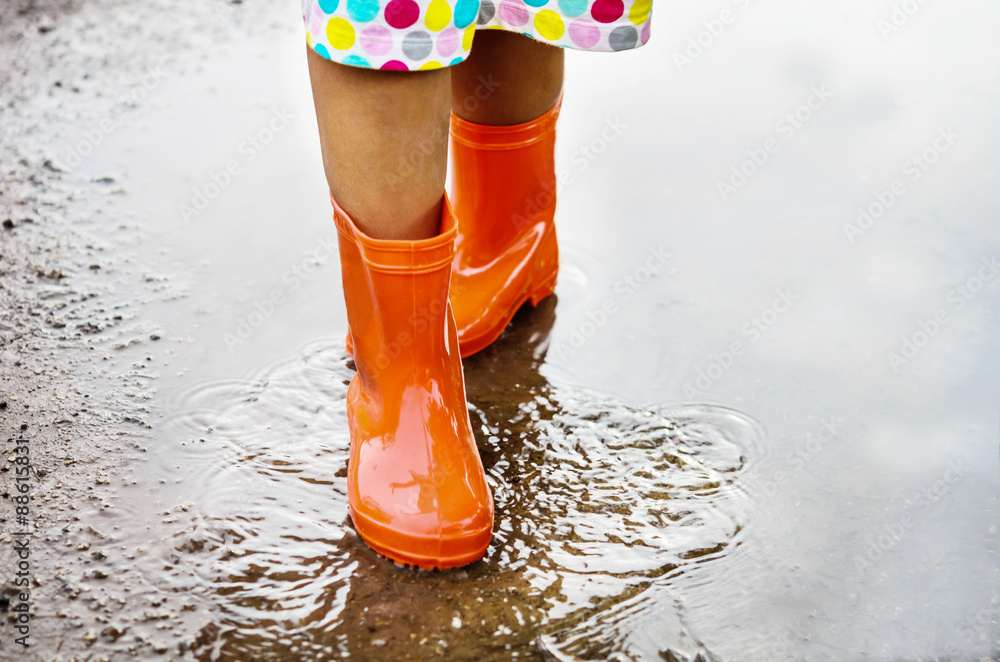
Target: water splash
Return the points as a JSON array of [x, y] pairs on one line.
[[599, 507]]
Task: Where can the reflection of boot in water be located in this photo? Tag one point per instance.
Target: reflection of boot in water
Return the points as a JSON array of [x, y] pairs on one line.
[[504, 384]]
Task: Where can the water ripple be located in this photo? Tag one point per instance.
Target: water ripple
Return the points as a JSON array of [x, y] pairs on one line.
[[599, 507]]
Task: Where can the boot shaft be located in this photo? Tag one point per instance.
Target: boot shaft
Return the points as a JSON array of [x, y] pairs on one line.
[[509, 173], [397, 297]]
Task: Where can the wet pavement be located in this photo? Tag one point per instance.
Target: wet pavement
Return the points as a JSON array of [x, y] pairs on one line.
[[758, 421]]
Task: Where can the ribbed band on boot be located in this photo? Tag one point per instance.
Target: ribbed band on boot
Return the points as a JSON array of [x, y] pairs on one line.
[[485, 136], [398, 256]]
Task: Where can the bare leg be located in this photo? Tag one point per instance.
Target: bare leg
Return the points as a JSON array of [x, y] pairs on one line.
[[384, 137], [528, 76]]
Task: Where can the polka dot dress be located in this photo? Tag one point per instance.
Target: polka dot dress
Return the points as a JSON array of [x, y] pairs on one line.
[[407, 35]]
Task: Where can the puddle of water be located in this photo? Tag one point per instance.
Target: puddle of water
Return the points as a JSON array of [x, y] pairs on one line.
[[735, 547], [600, 507]]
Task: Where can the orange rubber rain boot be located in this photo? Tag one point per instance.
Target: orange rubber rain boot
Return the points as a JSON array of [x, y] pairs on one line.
[[416, 487], [504, 192]]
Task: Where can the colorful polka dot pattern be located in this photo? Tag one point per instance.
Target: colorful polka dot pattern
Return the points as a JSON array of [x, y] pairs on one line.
[[410, 35]]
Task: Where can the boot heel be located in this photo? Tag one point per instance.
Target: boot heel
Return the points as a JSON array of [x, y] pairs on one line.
[[547, 260], [544, 290]]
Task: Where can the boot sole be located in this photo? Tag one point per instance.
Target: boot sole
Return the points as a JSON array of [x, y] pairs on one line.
[[456, 551], [469, 346]]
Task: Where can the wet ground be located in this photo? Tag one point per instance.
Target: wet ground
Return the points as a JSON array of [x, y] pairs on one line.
[[758, 421]]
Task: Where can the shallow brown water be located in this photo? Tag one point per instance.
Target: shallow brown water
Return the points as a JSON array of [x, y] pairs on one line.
[[599, 507]]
